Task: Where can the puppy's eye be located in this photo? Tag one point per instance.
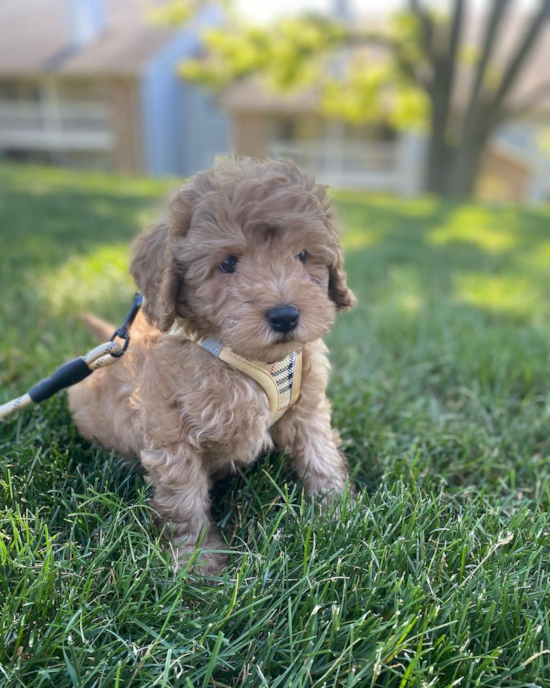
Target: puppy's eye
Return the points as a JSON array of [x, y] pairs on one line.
[[302, 256], [229, 264]]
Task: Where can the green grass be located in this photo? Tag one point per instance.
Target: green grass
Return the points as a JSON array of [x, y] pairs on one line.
[[438, 575]]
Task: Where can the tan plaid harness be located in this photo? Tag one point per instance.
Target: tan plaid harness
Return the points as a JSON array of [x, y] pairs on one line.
[[281, 381]]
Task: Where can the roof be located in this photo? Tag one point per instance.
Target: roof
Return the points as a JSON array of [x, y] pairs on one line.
[[251, 95], [36, 40]]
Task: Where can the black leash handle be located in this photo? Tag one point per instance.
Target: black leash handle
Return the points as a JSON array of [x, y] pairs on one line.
[[69, 374], [79, 368]]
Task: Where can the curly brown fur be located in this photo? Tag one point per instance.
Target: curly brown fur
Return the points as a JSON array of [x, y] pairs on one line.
[[187, 415]]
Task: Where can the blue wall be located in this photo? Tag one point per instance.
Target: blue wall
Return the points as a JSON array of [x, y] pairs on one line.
[[183, 130], [206, 130], [86, 20]]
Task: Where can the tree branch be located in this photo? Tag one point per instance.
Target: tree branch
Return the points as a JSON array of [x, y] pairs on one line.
[[516, 63], [407, 66], [449, 62], [497, 13], [456, 29], [467, 133], [426, 24], [538, 95]]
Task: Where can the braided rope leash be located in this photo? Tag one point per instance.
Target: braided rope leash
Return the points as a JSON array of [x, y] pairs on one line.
[[79, 368]]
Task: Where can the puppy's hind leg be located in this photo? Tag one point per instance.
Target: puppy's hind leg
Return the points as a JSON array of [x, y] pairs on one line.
[[181, 506]]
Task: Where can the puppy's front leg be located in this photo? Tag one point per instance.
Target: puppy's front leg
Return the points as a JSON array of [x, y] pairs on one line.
[[305, 433], [181, 505]]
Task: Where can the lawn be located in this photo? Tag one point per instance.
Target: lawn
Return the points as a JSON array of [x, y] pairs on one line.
[[438, 575]]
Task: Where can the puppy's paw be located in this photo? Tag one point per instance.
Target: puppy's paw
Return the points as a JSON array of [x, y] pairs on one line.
[[206, 559], [328, 494], [321, 487]]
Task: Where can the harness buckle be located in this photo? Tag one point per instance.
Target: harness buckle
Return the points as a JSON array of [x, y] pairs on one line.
[[121, 333]]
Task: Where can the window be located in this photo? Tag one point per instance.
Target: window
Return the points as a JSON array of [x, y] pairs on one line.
[[285, 129]]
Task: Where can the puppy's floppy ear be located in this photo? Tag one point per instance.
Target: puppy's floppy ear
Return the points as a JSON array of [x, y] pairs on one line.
[[154, 266], [338, 290]]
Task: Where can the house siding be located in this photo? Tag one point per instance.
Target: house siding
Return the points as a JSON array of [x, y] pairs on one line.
[[252, 134], [62, 120], [502, 179], [127, 151]]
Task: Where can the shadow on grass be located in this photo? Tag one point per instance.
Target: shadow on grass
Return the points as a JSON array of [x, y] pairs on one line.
[[440, 238], [442, 371], [46, 218], [64, 248]]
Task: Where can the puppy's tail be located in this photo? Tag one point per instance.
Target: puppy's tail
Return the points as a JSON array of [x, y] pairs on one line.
[[101, 329]]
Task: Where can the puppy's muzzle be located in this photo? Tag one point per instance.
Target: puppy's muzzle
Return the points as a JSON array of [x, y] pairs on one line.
[[283, 319]]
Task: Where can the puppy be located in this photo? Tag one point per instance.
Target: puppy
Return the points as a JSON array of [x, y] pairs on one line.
[[240, 283]]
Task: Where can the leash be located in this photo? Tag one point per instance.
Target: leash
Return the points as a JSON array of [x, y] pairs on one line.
[[79, 368]]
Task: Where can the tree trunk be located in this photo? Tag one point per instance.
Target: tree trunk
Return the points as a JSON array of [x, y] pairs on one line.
[[465, 169], [439, 151], [439, 155], [465, 178], [465, 164], [466, 151], [449, 176], [442, 50], [482, 118], [453, 168]]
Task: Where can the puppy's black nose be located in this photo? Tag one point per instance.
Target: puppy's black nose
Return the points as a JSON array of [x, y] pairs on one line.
[[283, 318]]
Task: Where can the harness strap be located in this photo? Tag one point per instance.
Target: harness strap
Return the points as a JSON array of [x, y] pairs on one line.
[[281, 381]]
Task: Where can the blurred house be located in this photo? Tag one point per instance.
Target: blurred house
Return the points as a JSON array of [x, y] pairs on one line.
[[92, 83], [379, 158], [374, 158]]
